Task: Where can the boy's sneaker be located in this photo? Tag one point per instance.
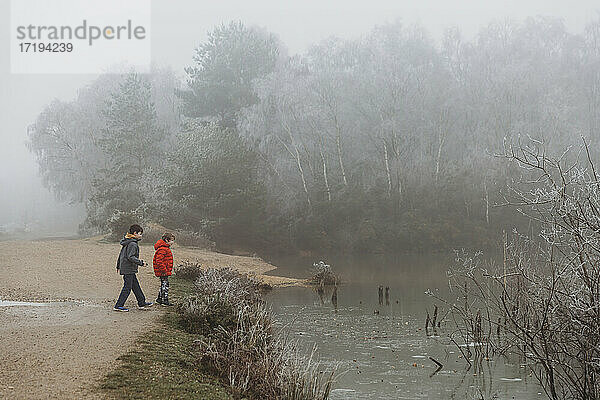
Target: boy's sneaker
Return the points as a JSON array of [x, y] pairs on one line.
[[166, 303], [158, 301], [122, 309], [145, 306]]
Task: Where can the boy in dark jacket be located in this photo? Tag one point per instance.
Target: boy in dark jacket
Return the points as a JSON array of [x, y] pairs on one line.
[[163, 265], [127, 265]]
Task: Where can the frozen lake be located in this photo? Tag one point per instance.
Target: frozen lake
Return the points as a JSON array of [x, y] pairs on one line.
[[383, 350]]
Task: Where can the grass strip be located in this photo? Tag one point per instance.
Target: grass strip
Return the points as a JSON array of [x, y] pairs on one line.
[[162, 364]]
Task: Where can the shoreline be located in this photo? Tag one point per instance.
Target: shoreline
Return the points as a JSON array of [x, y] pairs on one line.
[[35, 266], [62, 350]]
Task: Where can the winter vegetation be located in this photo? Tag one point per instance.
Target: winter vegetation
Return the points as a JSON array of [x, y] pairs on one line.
[[389, 142], [240, 344], [541, 303], [189, 271], [322, 274], [383, 143], [166, 351]]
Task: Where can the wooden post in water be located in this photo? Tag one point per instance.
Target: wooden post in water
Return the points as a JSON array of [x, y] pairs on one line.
[[380, 290], [387, 295], [334, 300]]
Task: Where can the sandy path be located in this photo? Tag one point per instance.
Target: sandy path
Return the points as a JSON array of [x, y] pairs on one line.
[[61, 350]]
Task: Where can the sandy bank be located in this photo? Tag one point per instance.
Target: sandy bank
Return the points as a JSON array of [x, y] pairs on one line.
[[60, 350]]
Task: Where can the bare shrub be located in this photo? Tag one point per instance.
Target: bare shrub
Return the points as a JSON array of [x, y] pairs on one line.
[[188, 270], [218, 294], [201, 314], [258, 362], [236, 288], [322, 274], [542, 303], [240, 343]]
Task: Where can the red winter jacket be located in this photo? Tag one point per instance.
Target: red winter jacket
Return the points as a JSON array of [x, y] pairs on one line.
[[163, 259]]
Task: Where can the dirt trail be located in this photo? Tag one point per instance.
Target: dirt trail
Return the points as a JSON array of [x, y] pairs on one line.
[[61, 349]]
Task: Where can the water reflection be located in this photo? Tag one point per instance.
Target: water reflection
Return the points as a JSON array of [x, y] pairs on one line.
[[374, 325]]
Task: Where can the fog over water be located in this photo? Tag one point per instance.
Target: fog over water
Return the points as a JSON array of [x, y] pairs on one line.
[[179, 26]]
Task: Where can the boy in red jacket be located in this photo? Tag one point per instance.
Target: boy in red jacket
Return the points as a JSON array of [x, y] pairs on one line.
[[163, 265]]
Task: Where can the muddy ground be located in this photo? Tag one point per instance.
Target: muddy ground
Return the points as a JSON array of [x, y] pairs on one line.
[[62, 348]]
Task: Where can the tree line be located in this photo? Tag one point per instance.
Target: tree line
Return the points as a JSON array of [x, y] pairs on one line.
[[382, 143]]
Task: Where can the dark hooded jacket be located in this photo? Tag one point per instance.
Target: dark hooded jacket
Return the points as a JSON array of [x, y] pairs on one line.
[[129, 260]]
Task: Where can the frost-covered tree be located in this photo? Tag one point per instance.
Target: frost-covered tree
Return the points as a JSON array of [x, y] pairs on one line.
[[65, 140], [102, 148], [381, 142]]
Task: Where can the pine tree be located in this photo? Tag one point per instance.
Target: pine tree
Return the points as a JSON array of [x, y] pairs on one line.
[[132, 139], [133, 142], [220, 82]]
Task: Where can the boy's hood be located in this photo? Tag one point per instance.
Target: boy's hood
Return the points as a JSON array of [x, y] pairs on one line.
[[160, 243], [126, 240]]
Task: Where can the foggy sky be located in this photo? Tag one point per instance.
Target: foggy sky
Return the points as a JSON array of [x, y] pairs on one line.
[[178, 26]]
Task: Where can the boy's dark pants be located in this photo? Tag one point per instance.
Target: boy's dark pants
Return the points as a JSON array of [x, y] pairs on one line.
[[130, 282]]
